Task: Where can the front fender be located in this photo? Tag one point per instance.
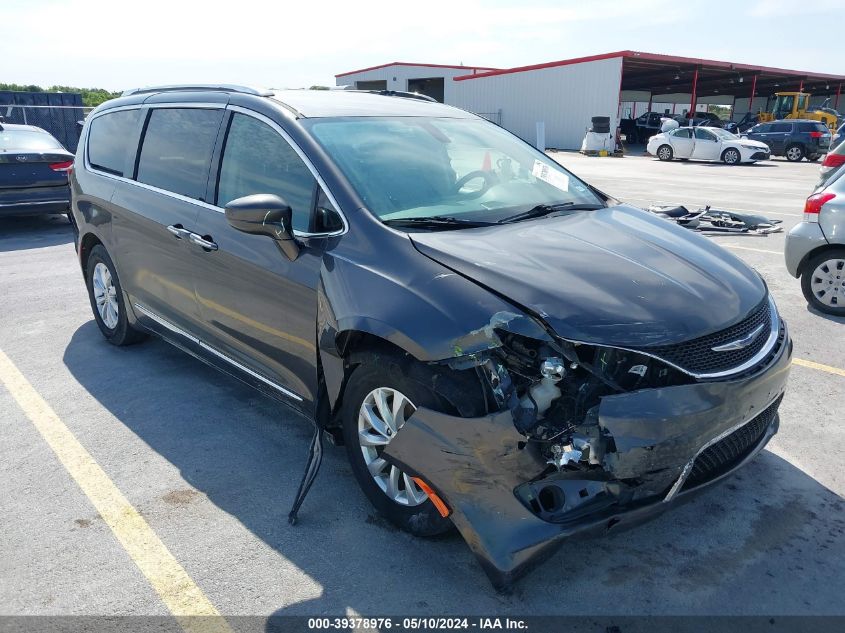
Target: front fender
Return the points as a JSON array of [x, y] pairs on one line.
[[427, 310]]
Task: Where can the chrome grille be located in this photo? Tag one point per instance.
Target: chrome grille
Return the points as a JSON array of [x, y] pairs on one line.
[[697, 356]]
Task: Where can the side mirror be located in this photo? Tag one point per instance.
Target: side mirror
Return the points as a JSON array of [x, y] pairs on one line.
[[265, 214]]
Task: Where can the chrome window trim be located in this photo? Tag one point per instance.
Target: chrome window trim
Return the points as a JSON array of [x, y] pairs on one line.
[[676, 487], [768, 346], [202, 203], [177, 330], [143, 185], [281, 131]]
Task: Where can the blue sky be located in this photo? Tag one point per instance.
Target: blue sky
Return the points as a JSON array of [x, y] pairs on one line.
[[115, 44]]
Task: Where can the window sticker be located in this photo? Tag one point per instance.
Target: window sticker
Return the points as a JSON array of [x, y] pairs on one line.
[[550, 175]]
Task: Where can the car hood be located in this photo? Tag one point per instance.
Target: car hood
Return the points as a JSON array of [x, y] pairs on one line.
[[617, 276], [752, 143]]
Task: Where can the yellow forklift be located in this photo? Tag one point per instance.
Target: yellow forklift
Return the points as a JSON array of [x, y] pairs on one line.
[[794, 105]]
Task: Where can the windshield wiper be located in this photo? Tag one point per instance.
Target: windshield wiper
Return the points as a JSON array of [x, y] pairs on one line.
[[437, 222], [545, 209]]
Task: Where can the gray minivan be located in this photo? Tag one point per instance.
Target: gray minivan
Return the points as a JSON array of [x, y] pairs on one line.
[[500, 346]]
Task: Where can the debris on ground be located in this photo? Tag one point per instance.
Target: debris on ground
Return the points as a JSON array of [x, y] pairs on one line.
[[711, 221]]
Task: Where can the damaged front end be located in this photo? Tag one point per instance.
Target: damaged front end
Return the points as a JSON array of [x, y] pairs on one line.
[[583, 437]]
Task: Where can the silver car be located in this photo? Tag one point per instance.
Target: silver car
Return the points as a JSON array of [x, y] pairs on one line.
[[815, 248]]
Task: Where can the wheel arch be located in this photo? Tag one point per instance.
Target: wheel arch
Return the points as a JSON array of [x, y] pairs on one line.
[[86, 244], [802, 265]]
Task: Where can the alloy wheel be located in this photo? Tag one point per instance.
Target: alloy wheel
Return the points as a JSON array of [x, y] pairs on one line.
[[794, 153], [828, 283], [105, 295], [664, 153], [383, 412], [731, 157]]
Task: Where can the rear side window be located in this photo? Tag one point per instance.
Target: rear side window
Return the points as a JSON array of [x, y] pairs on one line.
[[176, 150], [108, 140], [256, 159], [781, 127], [761, 129], [683, 132]]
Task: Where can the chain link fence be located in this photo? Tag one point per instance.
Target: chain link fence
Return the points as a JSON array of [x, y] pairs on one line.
[[58, 113]]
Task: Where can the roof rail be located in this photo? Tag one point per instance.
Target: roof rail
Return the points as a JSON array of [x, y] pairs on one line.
[[259, 92], [400, 93]]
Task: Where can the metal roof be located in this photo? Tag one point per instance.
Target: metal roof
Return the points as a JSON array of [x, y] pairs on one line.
[[663, 74], [455, 66]]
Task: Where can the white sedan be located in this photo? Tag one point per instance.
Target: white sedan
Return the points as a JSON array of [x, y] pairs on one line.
[[706, 143]]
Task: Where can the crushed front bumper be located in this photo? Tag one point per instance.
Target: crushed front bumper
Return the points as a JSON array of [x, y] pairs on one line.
[[492, 480]]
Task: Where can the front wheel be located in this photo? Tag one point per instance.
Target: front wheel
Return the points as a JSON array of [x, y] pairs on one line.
[[106, 297], [823, 282], [731, 156], [664, 152], [377, 401]]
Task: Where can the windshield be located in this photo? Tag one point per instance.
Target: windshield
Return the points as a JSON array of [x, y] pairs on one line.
[[723, 133], [784, 103], [27, 139], [420, 167]]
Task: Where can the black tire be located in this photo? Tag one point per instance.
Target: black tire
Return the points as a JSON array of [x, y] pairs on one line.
[[839, 277], [664, 152], [122, 333], [386, 370], [794, 153], [731, 156]]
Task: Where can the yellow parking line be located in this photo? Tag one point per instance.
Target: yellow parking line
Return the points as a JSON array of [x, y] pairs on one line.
[[177, 590], [748, 248], [819, 366]]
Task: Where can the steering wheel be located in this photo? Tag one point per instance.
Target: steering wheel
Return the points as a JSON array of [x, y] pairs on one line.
[[489, 180]]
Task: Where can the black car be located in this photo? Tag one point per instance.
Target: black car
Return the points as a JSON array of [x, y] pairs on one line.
[[499, 345], [33, 171], [794, 139], [707, 119]]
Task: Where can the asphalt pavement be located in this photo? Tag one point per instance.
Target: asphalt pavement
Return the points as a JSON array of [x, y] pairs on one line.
[[211, 467]]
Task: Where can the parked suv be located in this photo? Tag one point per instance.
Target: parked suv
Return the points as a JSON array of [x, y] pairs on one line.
[[499, 345], [794, 139]]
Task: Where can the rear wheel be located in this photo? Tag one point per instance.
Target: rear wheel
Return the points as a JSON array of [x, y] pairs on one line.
[[794, 153], [378, 400], [106, 297], [731, 156], [664, 152], [823, 282]]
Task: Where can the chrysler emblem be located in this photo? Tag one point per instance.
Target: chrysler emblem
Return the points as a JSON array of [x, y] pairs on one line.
[[740, 343]]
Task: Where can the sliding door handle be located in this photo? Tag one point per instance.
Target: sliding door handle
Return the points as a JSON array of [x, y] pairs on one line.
[[202, 242], [177, 231]]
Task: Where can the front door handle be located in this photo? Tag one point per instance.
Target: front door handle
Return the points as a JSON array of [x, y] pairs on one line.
[[177, 231], [200, 241]]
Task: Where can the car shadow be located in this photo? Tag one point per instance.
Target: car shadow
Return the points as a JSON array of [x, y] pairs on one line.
[[719, 164], [824, 315], [769, 540], [19, 233]]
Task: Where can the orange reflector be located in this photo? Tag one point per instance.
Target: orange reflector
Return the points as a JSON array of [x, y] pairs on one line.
[[437, 501]]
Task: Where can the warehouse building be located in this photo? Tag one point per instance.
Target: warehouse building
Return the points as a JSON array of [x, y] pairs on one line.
[[433, 80], [564, 95]]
